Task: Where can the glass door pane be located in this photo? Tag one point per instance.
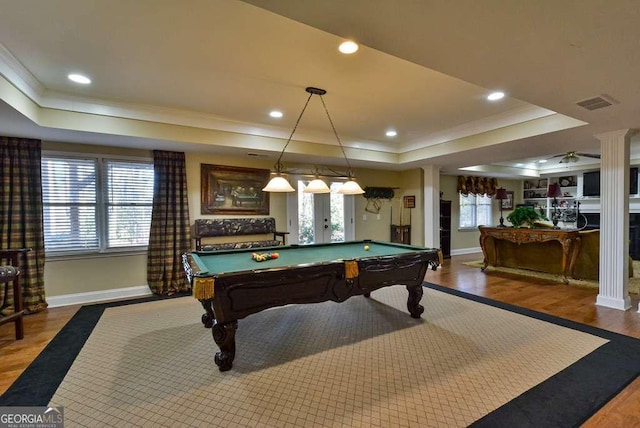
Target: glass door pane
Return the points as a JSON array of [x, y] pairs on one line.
[[306, 216], [321, 217], [336, 209]]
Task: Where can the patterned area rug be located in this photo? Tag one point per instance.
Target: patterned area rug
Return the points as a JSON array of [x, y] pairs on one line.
[[364, 362]]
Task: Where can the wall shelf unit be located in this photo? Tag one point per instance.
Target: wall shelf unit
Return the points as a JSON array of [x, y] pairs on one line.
[[535, 192]]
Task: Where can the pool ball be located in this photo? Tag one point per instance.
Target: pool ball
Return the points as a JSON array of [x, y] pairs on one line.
[[366, 248]]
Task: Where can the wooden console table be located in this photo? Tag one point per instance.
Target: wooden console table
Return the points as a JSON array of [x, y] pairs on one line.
[[569, 239]]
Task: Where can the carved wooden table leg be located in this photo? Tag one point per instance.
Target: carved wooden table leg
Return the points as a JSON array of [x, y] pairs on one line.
[[566, 247], [577, 243], [485, 263], [413, 302], [208, 317], [224, 335]]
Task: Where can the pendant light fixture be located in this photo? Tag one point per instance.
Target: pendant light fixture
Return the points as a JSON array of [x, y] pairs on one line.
[[279, 184], [317, 186]]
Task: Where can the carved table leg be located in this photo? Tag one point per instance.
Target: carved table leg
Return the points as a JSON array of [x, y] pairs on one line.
[[413, 302], [566, 247], [485, 261], [224, 335], [577, 243], [208, 317]]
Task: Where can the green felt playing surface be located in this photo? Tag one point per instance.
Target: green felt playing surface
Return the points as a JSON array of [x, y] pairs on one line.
[[217, 262]]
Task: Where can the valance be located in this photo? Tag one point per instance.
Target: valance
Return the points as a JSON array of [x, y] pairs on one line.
[[477, 185]]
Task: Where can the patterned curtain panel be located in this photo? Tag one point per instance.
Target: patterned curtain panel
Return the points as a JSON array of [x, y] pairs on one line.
[[170, 234], [21, 223], [477, 185]]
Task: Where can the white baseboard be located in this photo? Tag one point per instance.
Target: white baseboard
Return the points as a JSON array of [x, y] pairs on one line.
[[98, 296], [462, 251]]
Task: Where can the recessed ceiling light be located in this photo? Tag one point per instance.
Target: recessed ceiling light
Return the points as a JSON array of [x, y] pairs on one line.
[[542, 161], [275, 113], [495, 96], [348, 47], [391, 133], [519, 164], [79, 78]]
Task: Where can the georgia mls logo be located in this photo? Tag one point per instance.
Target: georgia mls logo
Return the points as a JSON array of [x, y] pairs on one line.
[[31, 417], [55, 412]]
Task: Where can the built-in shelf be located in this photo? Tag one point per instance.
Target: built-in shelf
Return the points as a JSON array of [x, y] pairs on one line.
[[534, 193]]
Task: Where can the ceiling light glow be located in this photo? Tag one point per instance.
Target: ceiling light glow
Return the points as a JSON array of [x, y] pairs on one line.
[[79, 78], [495, 96], [348, 47], [276, 113], [391, 133], [542, 161]]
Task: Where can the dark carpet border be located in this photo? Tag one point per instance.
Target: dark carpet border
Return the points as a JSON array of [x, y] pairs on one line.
[[566, 399], [39, 382], [573, 395]]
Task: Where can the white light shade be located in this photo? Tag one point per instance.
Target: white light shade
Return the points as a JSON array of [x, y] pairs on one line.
[[278, 184], [351, 188], [317, 186]]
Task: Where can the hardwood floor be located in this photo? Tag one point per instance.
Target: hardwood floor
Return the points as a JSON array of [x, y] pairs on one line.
[[570, 302]]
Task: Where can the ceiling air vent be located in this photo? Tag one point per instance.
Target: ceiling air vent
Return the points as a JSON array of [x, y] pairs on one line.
[[595, 103]]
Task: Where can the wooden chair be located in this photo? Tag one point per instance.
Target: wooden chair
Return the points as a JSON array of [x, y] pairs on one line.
[[11, 274]]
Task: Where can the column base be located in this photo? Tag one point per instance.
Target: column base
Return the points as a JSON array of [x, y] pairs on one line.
[[610, 302]]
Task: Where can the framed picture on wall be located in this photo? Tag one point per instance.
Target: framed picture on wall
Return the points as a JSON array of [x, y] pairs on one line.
[[409, 201], [233, 190], [507, 204]]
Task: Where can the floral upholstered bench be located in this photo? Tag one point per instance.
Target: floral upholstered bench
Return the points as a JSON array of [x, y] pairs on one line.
[[223, 231]]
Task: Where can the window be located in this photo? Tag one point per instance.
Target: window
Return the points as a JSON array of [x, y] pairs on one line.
[[96, 204], [475, 210]]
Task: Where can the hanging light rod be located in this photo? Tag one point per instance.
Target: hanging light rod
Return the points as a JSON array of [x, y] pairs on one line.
[[280, 184]]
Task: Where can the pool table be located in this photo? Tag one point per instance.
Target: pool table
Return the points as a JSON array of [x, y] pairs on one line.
[[230, 285]]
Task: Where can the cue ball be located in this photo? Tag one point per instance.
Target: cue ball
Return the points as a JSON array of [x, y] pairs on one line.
[[366, 248]]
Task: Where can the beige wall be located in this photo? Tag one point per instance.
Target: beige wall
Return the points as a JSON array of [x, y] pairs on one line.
[[375, 226], [100, 273], [90, 274], [412, 184]]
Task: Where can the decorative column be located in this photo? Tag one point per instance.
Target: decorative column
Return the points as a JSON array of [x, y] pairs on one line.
[[614, 220], [431, 184]]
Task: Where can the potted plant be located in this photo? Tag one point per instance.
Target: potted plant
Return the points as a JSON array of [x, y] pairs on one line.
[[525, 216]]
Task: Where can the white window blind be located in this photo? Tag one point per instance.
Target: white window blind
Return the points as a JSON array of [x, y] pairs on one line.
[[475, 211], [96, 204], [129, 202], [69, 195]]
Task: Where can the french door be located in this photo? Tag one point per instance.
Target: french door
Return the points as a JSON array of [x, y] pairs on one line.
[[320, 218]]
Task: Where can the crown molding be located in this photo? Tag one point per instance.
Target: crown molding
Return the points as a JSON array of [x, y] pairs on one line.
[[19, 76]]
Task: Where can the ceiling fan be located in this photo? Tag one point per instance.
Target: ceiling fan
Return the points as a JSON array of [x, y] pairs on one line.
[[571, 157]]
